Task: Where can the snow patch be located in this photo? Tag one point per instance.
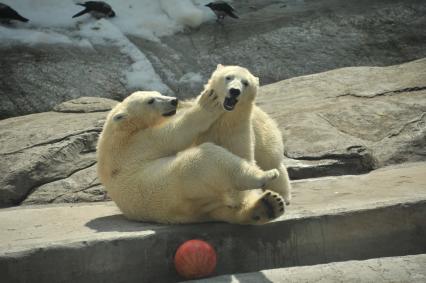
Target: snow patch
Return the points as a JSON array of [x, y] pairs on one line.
[[183, 12], [141, 75], [51, 22], [46, 13], [32, 37], [191, 78], [145, 18]]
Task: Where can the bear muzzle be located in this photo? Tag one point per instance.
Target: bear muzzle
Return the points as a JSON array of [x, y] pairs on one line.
[[234, 92]]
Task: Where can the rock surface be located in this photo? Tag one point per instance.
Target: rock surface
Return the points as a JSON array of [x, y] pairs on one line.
[[85, 105], [36, 78], [381, 270], [321, 196], [81, 186], [404, 183], [50, 153], [277, 40], [356, 118], [331, 219]]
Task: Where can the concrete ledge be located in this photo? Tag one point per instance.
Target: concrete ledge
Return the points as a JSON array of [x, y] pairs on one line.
[[334, 219], [392, 269]]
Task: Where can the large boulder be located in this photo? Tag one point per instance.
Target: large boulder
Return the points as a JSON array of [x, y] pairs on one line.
[[54, 150], [360, 118]]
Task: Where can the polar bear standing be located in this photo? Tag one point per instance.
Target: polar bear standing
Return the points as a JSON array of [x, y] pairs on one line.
[[152, 173], [245, 129]]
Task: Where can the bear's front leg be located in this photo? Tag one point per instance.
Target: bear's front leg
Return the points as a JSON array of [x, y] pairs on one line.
[[181, 132]]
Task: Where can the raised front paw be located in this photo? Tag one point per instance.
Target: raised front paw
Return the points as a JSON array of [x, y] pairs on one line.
[[209, 101], [269, 206]]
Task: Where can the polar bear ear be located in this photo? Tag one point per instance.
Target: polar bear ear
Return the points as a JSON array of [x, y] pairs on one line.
[[119, 117], [219, 66], [256, 79]]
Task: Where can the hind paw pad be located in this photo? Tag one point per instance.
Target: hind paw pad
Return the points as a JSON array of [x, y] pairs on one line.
[[269, 206]]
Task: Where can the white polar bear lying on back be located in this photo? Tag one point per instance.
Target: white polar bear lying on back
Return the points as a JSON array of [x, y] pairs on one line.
[[244, 129], [150, 170]]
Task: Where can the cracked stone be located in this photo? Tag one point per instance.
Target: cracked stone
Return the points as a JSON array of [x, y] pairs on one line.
[[39, 149], [82, 186], [329, 133]]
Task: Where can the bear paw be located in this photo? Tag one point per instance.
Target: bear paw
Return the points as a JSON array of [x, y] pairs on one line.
[[269, 206], [209, 101]]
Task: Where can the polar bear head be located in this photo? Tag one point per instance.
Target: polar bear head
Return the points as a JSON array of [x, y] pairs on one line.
[[143, 109], [234, 85]]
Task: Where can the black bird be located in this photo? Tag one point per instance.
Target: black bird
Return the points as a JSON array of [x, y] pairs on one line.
[[7, 14], [222, 9], [97, 9]]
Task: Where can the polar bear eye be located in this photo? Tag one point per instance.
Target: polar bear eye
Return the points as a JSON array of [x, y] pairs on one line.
[[151, 101], [245, 83], [228, 78]]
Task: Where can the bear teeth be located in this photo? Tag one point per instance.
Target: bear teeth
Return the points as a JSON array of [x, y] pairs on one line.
[[229, 103], [171, 113]]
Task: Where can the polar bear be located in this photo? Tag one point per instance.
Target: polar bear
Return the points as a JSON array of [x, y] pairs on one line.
[[244, 129], [151, 171]]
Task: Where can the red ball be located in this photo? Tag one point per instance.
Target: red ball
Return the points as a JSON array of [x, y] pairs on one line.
[[195, 259]]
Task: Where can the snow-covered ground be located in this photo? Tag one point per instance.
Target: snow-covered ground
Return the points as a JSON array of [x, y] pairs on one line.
[[51, 22], [149, 19]]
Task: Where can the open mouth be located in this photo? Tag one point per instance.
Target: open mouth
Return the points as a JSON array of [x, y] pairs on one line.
[[171, 113], [229, 103]]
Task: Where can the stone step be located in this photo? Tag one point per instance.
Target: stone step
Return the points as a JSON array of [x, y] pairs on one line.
[[379, 214], [410, 268]]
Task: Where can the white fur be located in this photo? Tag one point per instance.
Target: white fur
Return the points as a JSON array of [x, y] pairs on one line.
[[152, 172], [247, 131]]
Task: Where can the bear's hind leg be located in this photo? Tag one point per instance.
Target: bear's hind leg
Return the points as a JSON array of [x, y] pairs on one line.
[[281, 185], [214, 168], [254, 209]]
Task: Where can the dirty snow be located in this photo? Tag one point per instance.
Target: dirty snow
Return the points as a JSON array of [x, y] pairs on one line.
[[191, 78], [51, 23], [145, 18], [32, 37]]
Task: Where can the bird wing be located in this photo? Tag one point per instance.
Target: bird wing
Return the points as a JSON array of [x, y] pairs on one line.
[[222, 5], [81, 13], [7, 12], [98, 6], [232, 15]]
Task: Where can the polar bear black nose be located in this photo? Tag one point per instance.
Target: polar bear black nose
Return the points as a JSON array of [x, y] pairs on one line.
[[174, 102], [234, 91]]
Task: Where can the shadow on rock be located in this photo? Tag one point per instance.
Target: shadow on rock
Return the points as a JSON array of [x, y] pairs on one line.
[[119, 223]]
